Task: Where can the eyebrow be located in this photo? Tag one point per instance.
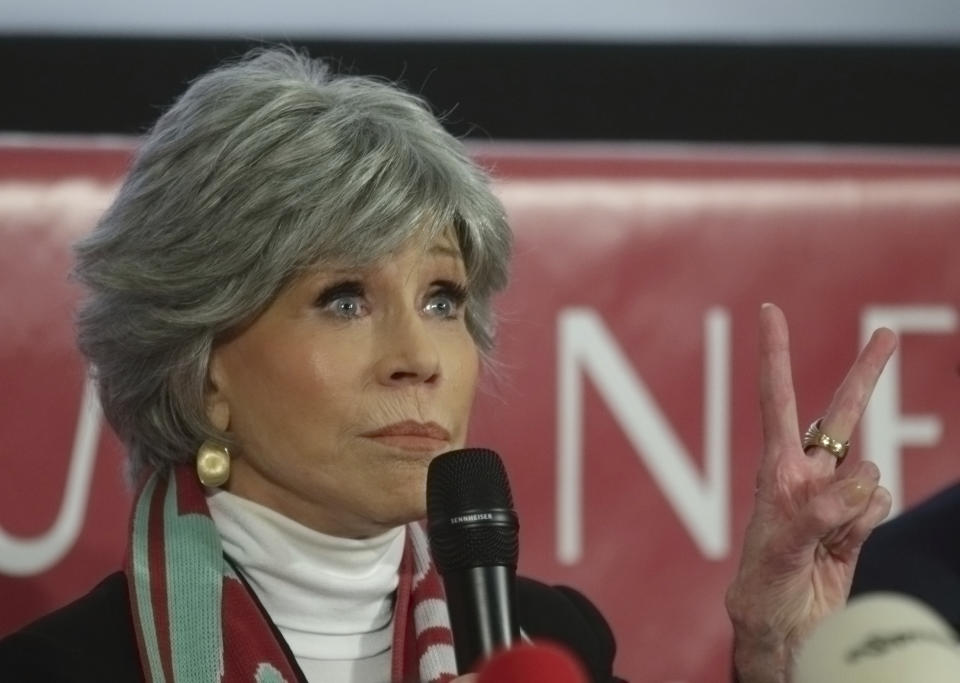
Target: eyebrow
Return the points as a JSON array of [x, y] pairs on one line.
[[435, 249], [444, 250]]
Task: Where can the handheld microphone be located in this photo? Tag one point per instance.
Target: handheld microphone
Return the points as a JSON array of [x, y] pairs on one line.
[[880, 638], [473, 533], [537, 663]]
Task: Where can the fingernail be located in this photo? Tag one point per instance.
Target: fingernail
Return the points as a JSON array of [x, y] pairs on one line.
[[854, 492]]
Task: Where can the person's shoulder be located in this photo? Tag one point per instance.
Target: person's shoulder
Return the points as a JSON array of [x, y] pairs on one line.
[[565, 616], [937, 514], [90, 639], [928, 529], [917, 553]]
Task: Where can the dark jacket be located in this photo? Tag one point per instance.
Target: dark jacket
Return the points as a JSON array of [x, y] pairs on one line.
[[917, 553], [92, 639]]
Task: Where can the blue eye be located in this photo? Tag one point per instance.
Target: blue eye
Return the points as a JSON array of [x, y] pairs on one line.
[[343, 300], [442, 307], [346, 306], [446, 301]]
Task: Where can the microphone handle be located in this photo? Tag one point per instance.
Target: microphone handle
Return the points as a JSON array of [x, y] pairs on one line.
[[483, 615]]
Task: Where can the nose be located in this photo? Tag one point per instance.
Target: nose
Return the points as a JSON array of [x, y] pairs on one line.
[[409, 353]]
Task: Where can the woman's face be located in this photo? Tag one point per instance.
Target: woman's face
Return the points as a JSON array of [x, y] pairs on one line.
[[345, 388]]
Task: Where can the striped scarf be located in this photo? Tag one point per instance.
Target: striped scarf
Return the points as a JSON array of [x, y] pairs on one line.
[[196, 620]]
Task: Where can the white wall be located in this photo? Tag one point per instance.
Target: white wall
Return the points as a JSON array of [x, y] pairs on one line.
[[936, 21]]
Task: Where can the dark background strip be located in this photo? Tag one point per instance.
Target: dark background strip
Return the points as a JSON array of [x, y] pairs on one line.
[[532, 91]]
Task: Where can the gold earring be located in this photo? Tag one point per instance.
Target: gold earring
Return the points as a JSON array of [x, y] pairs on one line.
[[213, 464]]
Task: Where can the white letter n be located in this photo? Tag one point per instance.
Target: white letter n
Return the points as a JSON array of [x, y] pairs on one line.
[[702, 504]]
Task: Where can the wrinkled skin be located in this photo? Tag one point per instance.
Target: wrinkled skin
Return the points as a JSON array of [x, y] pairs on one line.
[[810, 516]]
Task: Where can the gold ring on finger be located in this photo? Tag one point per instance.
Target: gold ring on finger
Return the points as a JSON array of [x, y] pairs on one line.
[[815, 438]]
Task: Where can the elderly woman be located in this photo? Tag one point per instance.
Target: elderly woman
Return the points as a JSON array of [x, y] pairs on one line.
[[289, 302]]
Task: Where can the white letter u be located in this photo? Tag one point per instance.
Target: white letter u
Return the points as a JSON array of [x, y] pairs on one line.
[[28, 556]]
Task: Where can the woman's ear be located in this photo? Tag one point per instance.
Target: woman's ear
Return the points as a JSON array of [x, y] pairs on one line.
[[215, 396]]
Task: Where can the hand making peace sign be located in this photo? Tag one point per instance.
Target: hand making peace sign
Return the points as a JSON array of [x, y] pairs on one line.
[[811, 514]]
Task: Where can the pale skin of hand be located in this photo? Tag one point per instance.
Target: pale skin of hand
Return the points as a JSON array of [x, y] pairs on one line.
[[810, 516], [469, 678]]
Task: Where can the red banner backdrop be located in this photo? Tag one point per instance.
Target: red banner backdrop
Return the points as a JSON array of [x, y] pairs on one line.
[[624, 399]]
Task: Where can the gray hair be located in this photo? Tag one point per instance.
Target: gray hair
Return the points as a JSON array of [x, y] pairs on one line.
[[264, 167]]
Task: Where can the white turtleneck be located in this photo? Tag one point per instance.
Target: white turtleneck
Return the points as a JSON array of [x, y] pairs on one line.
[[331, 598]]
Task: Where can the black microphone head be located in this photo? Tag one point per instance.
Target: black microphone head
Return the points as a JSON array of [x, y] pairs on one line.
[[470, 516]]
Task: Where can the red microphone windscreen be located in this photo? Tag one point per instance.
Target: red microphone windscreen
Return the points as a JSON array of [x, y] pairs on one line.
[[536, 663]]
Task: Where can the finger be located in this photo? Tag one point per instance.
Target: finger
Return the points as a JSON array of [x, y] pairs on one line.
[[848, 546], [850, 399], [863, 471], [778, 404], [837, 506]]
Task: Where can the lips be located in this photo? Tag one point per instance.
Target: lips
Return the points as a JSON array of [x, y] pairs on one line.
[[412, 436]]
